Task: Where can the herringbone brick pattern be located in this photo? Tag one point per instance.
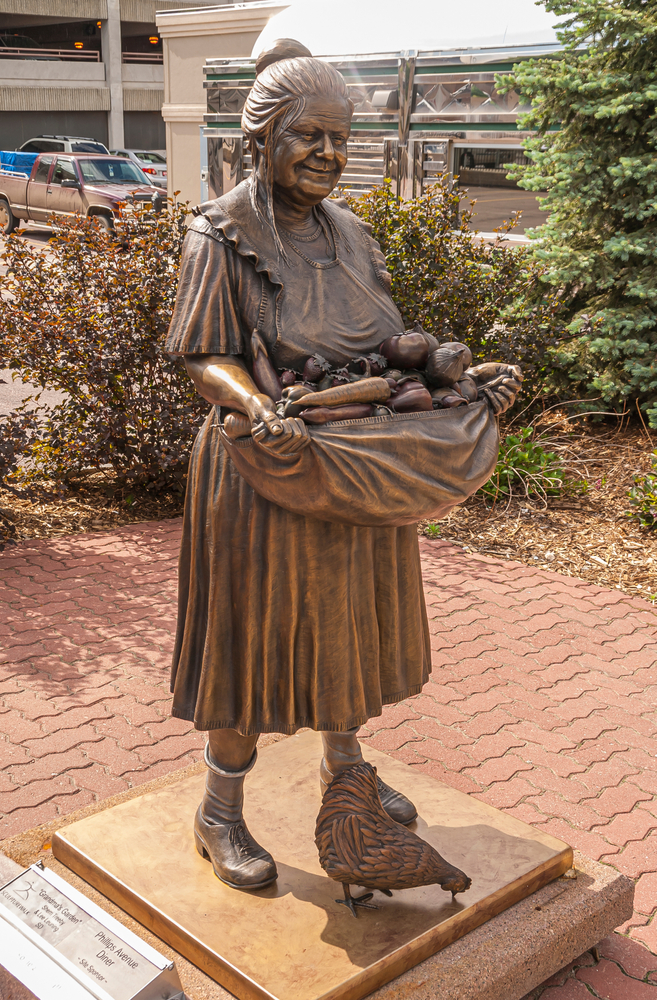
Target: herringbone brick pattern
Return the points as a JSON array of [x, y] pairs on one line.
[[86, 638], [541, 702]]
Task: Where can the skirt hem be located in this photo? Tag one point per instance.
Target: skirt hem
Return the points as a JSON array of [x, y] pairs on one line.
[[289, 730]]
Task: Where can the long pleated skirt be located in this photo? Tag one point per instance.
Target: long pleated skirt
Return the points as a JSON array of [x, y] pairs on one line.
[[286, 621]]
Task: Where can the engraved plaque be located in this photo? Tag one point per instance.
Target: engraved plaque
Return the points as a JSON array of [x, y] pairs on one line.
[[105, 958]]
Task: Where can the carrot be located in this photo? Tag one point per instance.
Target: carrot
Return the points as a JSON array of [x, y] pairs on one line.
[[366, 390], [328, 414]]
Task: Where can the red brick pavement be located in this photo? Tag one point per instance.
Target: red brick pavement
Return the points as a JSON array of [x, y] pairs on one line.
[[541, 702]]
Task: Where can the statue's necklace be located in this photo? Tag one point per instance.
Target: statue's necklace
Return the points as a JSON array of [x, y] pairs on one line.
[[305, 239], [309, 260], [290, 237]]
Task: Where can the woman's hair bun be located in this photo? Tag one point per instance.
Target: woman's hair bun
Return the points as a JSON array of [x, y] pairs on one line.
[[283, 48]]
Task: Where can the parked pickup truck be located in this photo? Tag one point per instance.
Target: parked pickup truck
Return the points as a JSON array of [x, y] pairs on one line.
[[69, 184]]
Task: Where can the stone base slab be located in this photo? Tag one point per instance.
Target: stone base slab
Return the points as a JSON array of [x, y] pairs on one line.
[[502, 960], [519, 949], [291, 941]]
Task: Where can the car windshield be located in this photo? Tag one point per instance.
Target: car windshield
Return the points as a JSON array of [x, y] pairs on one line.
[[87, 147], [111, 172], [150, 157], [42, 146]]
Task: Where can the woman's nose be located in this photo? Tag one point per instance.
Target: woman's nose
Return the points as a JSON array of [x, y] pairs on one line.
[[326, 151]]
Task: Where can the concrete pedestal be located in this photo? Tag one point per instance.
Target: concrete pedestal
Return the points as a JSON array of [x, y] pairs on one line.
[[292, 941]]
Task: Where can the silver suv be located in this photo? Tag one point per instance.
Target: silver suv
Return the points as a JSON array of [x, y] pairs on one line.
[[62, 144], [153, 164]]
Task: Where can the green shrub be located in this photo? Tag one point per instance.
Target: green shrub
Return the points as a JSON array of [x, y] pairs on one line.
[[432, 531], [594, 149], [643, 497], [524, 467], [89, 318], [458, 288]]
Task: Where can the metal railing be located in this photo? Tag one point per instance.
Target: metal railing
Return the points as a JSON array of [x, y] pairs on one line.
[[49, 54], [12, 172], [142, 57]]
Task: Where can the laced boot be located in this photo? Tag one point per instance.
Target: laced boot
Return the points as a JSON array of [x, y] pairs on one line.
[[342, 750], [222, 836]]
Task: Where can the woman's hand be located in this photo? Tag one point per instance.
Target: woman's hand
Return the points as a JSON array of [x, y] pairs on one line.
[[262, 410], [501, 396], [292, 436], [498, 383]]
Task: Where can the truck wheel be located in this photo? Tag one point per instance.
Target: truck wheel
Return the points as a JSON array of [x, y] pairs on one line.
[[104, 221], [7, 221]]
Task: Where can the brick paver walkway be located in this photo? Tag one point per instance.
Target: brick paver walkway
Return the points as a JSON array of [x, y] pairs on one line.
[[541, 703]]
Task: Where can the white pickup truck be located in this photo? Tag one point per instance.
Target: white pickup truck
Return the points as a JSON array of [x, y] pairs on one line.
[[69, 184]]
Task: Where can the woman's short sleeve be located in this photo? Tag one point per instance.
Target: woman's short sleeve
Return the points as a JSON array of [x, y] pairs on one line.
[[207, 316]]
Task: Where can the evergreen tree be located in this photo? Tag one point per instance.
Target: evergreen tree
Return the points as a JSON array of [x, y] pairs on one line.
[[595, 152]]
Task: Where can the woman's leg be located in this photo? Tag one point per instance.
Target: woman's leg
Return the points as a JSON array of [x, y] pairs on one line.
[[230, 750], [341, 751], [220, 831]]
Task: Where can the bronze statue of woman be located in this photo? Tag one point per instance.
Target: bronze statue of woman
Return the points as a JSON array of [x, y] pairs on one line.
[[284, 621]]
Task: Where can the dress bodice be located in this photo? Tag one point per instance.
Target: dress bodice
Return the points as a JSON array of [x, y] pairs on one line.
[[339, 309], [233, 280]]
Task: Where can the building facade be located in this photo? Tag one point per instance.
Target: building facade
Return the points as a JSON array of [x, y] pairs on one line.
[[83, 67], [416, 116], [190, 38]]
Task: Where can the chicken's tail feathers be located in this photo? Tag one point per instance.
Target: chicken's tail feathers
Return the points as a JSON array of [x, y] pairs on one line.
[[351, 791]]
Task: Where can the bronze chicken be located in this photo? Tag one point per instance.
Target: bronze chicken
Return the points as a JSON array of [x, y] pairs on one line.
[[359, 844]]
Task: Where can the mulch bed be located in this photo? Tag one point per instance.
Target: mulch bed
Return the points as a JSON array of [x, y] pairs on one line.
[[585, 535]]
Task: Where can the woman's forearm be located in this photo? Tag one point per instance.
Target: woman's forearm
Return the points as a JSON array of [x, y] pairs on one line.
[[222, 380]]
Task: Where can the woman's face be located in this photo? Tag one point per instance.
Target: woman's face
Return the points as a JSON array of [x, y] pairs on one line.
[[311, 154]]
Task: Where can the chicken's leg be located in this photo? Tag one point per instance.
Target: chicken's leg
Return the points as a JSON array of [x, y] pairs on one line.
[[353, 901]]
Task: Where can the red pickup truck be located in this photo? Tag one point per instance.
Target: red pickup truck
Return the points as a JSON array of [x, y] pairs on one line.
[[71, 184]]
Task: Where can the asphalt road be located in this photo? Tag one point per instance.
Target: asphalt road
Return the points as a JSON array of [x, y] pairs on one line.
[[495, 205]]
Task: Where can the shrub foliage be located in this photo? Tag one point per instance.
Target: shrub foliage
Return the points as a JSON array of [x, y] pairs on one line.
[[526, 468], [88, 317], [643, 497], [461, 288]]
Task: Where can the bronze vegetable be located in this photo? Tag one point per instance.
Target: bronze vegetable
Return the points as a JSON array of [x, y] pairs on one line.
[[315, 368], [467, 387], [372, 364], [367, 390], [237, 425], [406, 350], [446, 365], [446, 397], [329, 414], [412, 401]]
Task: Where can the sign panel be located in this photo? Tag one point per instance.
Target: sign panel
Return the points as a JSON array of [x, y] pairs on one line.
[[103, 956], [27, 965]]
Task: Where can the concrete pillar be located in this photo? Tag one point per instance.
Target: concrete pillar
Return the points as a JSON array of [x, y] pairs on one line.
[[110, 37], [190, 37]]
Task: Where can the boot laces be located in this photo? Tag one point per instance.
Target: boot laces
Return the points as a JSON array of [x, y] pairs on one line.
[[381, 787], [239, 838]]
